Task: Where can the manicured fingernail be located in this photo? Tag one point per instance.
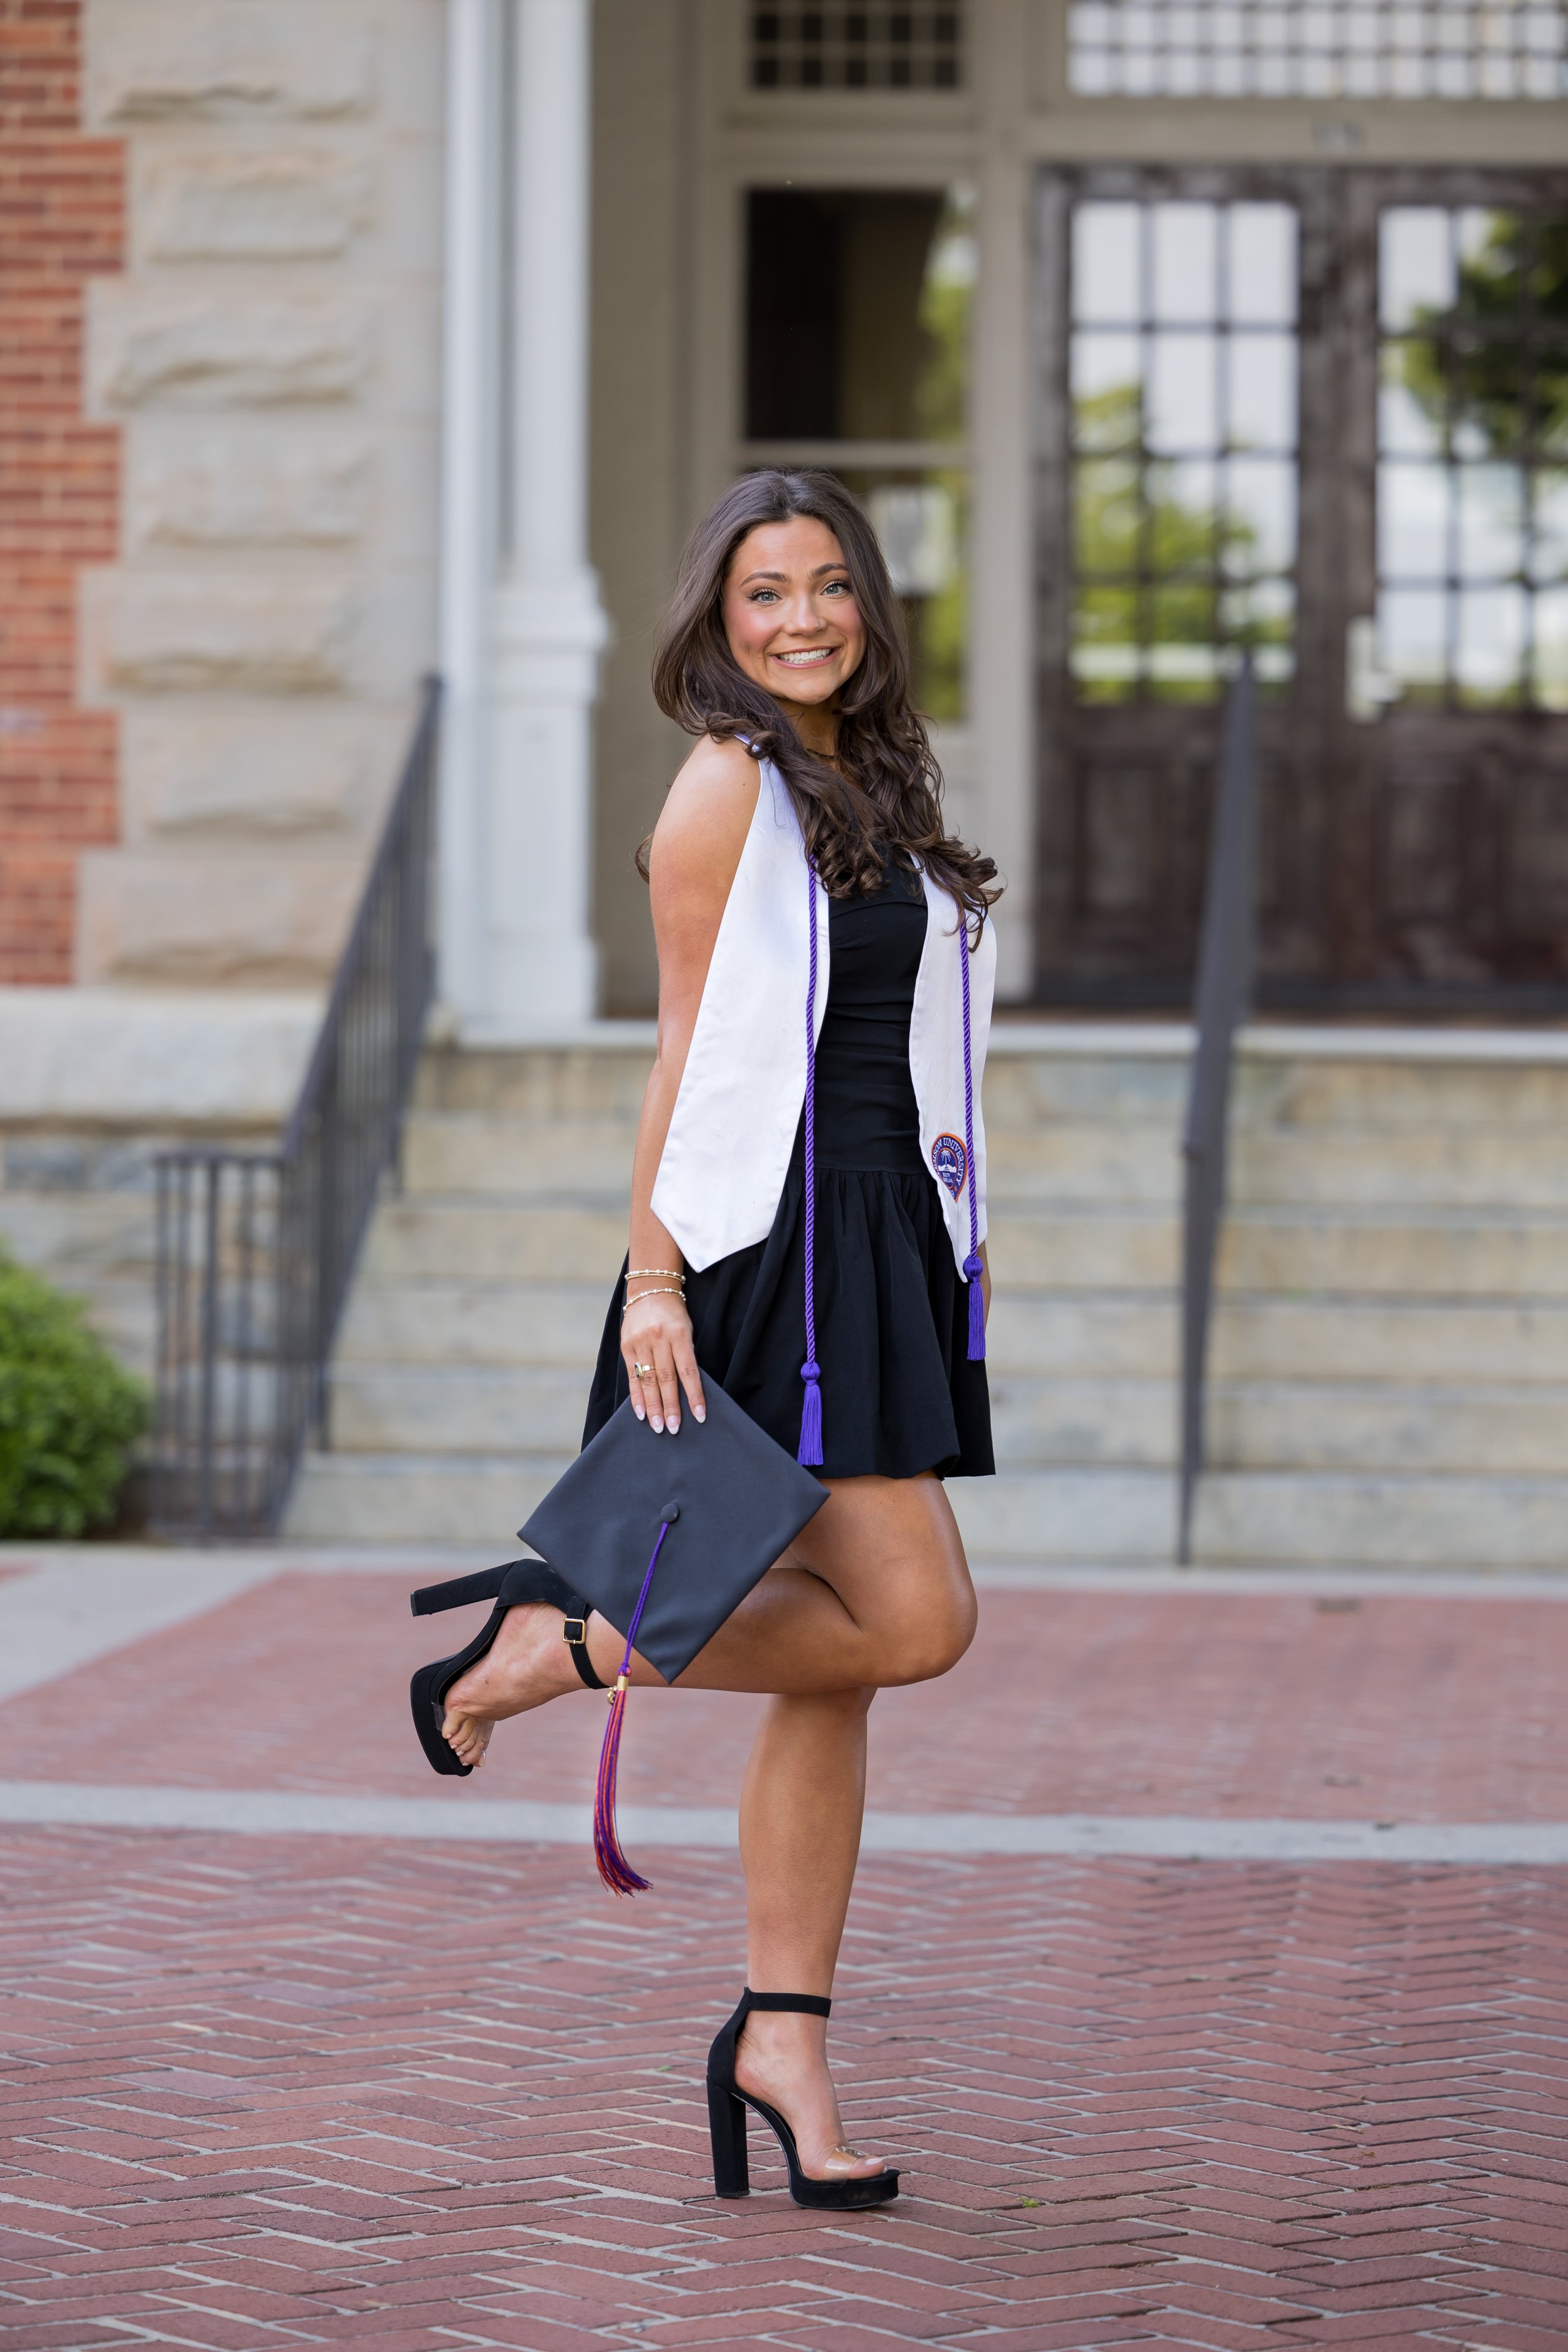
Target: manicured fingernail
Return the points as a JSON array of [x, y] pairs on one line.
[[656, 1422], [638, 1411], [697, 1410]]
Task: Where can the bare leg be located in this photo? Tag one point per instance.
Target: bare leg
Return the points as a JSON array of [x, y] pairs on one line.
[[800, 1836], [875, 1591]]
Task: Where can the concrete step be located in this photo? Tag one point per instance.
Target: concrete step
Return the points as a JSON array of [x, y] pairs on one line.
[[1299, 1518], [420, 1497], [482, 1153], [1271, 1518], [1368, 1424], [455, 1240], [602, 1081], [1086, 1334], [1433, 1255], [459, 1323], [1282, 1518], [1110, 1162], [470, 1409], [1437, 1253]]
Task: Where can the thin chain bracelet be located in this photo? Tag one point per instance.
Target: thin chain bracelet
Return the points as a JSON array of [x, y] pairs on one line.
[[676, 1273], [667, 1290]]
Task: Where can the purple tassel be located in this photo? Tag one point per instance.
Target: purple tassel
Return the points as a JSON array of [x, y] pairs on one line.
[[613, 1868], [810, 1453], [972, 1272]]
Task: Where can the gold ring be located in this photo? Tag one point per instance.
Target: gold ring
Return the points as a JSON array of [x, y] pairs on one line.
[[642, 1371]]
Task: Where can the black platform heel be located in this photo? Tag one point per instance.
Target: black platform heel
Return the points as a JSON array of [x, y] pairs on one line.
[[514, 1583], [727, 2104]]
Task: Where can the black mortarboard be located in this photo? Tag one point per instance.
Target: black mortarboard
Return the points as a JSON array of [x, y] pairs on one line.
[[665, 1534], [742, 1503]]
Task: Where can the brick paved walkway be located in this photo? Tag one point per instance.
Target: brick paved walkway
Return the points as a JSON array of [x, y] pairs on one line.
[[276, 2091]]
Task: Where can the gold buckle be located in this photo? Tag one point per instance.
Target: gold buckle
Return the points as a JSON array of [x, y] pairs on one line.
[[575, 1639]]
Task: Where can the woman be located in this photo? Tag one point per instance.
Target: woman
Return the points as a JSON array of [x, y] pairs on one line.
[[784, 655]]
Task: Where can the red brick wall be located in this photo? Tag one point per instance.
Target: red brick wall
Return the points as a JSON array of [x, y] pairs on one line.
[[62, 221]]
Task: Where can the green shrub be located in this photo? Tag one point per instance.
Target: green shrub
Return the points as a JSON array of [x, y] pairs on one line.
[[67, 1414]]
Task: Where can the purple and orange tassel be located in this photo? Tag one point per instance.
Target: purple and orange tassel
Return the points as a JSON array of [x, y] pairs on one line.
[[613, 1868]]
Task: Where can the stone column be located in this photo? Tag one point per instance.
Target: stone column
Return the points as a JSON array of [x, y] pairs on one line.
[[469, 401], [548, 623]]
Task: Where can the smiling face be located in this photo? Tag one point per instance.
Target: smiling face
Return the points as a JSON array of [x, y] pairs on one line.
[[791, 617]]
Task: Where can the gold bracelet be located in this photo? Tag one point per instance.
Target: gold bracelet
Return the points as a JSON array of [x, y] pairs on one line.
[[676, 1273], [664, 1290]]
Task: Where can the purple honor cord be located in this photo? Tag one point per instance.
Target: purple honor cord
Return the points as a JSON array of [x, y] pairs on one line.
[[972, 1266], [810, 1450]]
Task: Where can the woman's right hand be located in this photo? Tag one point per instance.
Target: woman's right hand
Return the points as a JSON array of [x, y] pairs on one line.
[[655, 1334]]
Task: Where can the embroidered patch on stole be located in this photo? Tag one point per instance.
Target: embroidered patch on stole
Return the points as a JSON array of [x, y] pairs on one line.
[[951, 1162]]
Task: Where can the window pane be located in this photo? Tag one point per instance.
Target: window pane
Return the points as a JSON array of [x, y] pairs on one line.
[[1551, 562], [1183, 394], [1411, 400], [1413, 640], [1491, 504], [1263, 615], [1183, 517], [1262, 391], [1411, 522], [1106, 633], [1105, 273], [1182, 658], [1416, 266], [858, 313], [1186, 263], [1551, 682], [1107, 396], [1262, 274], [1260, 535], [1492, 248], [1488, 652], [1106, 518]]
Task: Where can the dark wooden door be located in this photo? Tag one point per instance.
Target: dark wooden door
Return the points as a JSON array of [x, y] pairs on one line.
[[1324, 413]]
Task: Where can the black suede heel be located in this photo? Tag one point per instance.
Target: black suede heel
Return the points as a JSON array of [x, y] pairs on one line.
[[510, 1586], [727, 2104]]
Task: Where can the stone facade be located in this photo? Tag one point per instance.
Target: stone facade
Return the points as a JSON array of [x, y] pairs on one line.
[[270, 356]]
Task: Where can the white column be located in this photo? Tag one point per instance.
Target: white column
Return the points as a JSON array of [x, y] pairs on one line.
[[469, 358], [548, 624]]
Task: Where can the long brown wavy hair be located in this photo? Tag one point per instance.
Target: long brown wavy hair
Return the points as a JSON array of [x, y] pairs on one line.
[[884, 792]]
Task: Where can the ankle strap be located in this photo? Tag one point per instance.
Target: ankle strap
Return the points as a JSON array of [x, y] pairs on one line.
[[793, 2004]]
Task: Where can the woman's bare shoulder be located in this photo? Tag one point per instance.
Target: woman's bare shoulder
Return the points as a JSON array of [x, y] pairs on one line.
[[702, 828]]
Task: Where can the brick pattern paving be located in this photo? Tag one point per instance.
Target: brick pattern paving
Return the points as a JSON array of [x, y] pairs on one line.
[[293, 2091], [310, 2092], [1221, 1704]]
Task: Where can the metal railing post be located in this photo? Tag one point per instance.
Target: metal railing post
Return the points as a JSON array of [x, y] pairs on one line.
[[1227, 959]]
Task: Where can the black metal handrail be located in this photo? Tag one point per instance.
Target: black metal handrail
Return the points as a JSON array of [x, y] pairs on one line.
[[1226, 961], [256, 1250]]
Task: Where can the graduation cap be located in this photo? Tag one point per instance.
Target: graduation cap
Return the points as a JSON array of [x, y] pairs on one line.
[[665, 1533]]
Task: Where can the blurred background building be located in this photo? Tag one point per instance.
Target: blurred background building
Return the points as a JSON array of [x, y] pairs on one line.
[[345, 339]]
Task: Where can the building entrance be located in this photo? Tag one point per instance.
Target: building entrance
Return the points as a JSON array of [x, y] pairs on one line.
[[1322, 414]]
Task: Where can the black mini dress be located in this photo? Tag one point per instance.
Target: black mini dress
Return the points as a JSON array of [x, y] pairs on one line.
[[899, 1392]]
